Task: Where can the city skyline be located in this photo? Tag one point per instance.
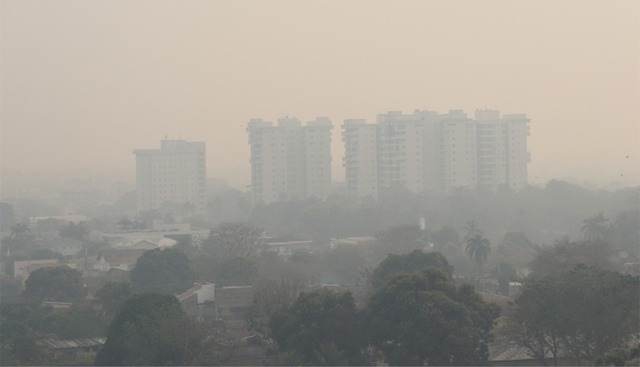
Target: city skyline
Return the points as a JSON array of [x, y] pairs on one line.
[[92, 81], [427, 151]]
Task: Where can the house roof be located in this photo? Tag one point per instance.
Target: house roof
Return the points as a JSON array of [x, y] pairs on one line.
[[144, 245], [56, 343], [57, 242], [121, 256], [192, 291], [20, 266]]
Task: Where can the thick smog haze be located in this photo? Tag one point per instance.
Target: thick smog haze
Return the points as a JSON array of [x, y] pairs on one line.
[[86, 83]]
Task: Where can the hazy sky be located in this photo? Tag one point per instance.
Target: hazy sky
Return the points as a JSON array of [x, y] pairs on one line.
[[86, 82]]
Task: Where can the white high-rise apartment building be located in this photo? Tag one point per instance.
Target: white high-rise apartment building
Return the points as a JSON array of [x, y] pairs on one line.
[[360, 159], [401, 150], [289, 160], [427, 151], [518, 130], [456, 154], [174, 174]]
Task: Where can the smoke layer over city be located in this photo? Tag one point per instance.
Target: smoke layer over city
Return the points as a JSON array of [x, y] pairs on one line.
[[85, 83]]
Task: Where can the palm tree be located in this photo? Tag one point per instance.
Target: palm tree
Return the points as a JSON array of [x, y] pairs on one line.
[[17, 237], [596, 229], [472, 230], [19, 229], [478, 249]]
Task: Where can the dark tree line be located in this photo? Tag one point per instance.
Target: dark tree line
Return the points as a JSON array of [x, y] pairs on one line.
[[417, 315], [584, 313]]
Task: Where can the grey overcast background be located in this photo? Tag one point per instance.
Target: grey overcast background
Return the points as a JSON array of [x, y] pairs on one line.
[[86, 82]]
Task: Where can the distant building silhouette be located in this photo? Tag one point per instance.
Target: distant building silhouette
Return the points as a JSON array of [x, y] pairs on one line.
[[430, 152], [175, 174], [289, 160]]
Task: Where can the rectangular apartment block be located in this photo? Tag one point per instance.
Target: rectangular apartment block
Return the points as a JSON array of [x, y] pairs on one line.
[[174, 174], [290, 161], [429, 152]]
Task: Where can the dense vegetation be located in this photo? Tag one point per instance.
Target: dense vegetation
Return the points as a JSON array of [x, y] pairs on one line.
[[152, 329], [585, 313], [412, 297]]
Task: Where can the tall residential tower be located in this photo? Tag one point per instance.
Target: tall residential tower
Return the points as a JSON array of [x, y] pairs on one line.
[[174, 174], [289, 160], [431, 152]]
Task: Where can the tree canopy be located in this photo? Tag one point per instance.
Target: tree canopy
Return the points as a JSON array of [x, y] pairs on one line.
[[401, 240], [112, 295], [583, 313], [162, 271], [478, 249], [424, 319], [152, 329], [565, 254], [596, 228], [322, 327], [19, 229], [234, 240], [77, 231], [59, 283], [412, 262], [235, 271]]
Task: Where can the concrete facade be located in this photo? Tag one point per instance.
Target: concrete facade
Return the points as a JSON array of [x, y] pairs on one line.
[[289, 160], [429, 152], [174, 174]]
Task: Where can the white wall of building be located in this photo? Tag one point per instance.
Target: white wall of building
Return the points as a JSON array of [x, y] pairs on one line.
[[175, 173], [290, 161], [426, 151]]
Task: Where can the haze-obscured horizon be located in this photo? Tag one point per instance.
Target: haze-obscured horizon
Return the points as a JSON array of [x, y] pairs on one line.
[[85, 83]]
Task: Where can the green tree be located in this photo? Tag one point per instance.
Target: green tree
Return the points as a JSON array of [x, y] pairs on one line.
[[565, 254], [596, 229], [478, 248], [186, 244], [424, 319], [235, 271], [328, 354], [125, 224], [10, 289], [59, 283], [17, 242], [234, 240], [78, 321], [415, 261], [471, 230], [517, 239], [317, 319], [19, 230], [152, 329], [621, 357], [584, 313], [162, 271], [625, 232], [77, 231], [445, 237], [112, 295], [17, 339], [400, 240], [271, 297], [345, 262], [7, 216]]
